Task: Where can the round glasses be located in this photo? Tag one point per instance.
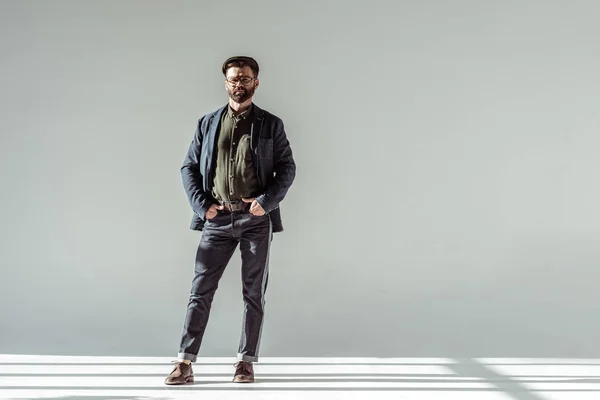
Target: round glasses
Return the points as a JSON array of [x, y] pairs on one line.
[[245, 81]]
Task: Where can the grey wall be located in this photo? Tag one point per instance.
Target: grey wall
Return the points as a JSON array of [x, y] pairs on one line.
[[445, 203]]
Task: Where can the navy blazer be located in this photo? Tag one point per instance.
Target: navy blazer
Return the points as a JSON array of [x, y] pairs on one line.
[[271, 153]]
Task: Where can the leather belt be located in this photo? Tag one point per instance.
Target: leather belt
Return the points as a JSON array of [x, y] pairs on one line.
[[235, 206]]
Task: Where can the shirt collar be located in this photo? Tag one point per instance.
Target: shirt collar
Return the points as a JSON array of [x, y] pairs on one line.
[[243, 115]]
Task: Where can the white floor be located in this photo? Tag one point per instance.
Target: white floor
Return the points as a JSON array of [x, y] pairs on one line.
[[135, 378]]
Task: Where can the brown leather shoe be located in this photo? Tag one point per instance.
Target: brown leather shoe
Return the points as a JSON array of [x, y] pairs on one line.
[[244, 372], [182, 374]]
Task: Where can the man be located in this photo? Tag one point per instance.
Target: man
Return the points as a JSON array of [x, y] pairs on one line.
[[237, 171]]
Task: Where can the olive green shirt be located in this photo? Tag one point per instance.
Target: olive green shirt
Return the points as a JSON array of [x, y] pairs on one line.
[[235, 176]]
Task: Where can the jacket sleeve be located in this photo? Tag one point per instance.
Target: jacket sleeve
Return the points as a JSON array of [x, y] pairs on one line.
[[284, 169], [199, 197]]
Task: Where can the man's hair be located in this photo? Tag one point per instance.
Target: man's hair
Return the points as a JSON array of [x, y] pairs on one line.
[[240, 61]]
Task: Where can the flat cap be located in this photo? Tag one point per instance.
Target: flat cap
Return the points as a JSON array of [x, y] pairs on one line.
[[251, 62]]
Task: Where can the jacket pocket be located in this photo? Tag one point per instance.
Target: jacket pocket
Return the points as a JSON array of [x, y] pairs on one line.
[[265, 148]]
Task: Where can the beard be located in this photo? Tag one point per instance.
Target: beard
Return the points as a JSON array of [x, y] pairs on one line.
[[240, 95]]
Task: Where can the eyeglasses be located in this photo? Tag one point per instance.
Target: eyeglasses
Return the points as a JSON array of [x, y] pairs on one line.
[[245, 81]]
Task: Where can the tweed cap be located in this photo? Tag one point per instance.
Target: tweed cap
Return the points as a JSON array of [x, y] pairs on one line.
[[251, 62]]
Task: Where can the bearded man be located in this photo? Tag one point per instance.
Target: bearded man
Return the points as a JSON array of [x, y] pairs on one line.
[[237, 171]]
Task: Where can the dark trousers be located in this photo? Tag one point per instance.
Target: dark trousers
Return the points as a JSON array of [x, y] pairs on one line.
[[220, 237]]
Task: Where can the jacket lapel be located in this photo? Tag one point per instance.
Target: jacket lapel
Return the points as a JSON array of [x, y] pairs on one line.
[[214, 126], [210, 146], [256, 126]]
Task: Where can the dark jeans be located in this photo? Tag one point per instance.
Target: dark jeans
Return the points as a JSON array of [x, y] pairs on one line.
[[219, 240]]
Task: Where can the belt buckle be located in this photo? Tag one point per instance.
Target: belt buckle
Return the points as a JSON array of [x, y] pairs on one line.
[[231, 206]]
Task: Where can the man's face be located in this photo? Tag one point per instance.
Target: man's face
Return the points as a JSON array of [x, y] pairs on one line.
[[240, 83]]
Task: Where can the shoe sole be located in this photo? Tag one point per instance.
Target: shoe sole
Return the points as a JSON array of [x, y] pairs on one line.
[[243, 380], [187, 381]]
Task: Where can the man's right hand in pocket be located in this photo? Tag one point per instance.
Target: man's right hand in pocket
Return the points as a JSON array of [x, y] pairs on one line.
[[213, 211]]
